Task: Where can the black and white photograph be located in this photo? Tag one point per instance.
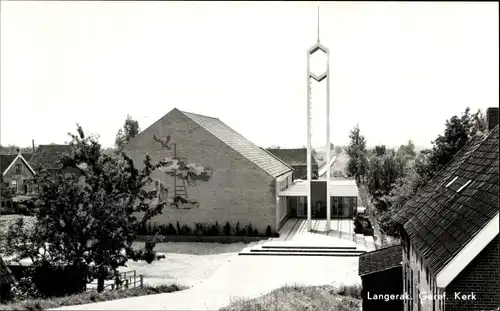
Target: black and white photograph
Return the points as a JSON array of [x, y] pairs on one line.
[[249, 155]]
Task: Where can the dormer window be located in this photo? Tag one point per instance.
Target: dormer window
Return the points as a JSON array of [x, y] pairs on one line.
[[463, 187], [451, 182]]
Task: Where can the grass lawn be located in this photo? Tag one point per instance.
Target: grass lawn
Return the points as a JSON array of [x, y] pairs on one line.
[[186, 264], [310, 298], [84, 298]]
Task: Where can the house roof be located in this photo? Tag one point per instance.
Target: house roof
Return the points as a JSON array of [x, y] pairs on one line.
[[293, 157], [240, 144], [6, 276], [48, 156], [380, 260], [448, 212], [5, 161]]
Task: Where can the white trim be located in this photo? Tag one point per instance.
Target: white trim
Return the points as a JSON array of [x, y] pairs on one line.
[[468, 253], [19, 156]]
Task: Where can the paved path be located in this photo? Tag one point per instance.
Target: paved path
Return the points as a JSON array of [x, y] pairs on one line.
[[243, 276]]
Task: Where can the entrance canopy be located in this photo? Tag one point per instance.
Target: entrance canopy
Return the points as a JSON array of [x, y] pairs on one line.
[[338, 188]]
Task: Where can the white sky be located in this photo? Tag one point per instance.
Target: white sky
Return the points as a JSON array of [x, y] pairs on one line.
[[398, 69]]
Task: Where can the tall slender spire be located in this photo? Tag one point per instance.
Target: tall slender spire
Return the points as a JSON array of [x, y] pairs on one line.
[[318, 23]]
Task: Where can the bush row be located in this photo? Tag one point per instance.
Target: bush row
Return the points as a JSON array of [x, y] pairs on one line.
[[205, 230]]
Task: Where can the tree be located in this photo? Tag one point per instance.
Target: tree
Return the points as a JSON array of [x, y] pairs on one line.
[[13, 149], [88, 222], [338, 150], [458, 131], [357, 164], [130, 130]]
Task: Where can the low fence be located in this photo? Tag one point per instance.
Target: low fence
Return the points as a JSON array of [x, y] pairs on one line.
[[127, 279]]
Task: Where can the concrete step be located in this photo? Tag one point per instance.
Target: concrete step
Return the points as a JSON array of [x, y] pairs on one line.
[[298, 250], [298, 253], [307, 247]]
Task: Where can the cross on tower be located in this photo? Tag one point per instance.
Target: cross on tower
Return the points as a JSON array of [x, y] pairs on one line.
[[318, 47]]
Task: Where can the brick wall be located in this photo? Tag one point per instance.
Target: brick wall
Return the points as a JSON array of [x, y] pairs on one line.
[[480, 277], [238, 191], [419, 282]]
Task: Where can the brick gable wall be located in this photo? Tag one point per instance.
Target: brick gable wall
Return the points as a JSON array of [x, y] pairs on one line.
[[480, 277], [237, 191]]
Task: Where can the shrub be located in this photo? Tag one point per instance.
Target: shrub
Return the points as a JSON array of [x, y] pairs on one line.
[[237, 228], [269, 231], [249, 230], [255, 232], [215, 230], [349, 291], [199, 229], [185, 230], [179, 228], [227, 229], [171, 230], [25, 288]]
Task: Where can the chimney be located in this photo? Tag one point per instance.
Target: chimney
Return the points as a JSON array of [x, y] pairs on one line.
[[33, 145], [492, 118]]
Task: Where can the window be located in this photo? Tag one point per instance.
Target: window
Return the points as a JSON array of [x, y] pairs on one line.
[[451, 182], [18, 169], [13, 183], [463, 187]]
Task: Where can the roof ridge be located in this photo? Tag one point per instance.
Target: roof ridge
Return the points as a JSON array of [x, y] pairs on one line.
[[197, 114], [381, 249], [239, 145]]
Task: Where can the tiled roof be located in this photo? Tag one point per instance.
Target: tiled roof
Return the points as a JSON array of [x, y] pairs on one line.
[[240, 144], [380, 260], [441, 220], [6, 276], [5, 161], [47, 156], [293, 157]]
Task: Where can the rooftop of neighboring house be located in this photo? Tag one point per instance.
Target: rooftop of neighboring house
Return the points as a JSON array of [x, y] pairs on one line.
[[47, 156], [293, 157], [6, 276], [461, 200], [380, 260], [6, 160]]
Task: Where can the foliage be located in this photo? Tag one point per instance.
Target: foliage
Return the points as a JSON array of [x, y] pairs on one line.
[[205, 229], [458, 131], [358, 163], [87, 297], [88, 222], [311, 298], [129, 130], [13, 149], [397, 179], [25, 288]]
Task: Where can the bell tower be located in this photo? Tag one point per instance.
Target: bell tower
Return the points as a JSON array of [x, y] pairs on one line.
[[318, 77]]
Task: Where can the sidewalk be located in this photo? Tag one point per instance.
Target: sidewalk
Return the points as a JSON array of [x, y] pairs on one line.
[[245, 277]]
